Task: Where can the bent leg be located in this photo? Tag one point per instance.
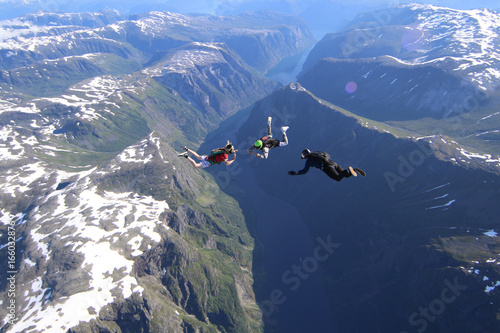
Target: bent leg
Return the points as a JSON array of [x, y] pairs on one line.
[[195, 154], [285, 140]]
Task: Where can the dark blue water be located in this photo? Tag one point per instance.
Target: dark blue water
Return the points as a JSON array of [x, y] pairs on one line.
[[285, 77]]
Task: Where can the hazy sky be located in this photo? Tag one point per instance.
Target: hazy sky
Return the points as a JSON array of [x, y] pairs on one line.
[[204, 5], [15, 8]]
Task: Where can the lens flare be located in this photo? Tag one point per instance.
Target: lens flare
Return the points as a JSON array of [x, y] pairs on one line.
[[351, 87]]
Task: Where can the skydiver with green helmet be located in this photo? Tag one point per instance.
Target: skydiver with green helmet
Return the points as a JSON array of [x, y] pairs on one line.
[[267, 143]]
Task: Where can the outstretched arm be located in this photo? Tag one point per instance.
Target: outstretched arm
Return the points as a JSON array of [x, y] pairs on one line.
[[229, 162], [305, 170]]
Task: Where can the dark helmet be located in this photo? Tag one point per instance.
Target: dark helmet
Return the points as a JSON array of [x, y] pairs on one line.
[[305, 153]]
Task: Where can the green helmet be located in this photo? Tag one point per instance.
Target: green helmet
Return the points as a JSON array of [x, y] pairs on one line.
[[258, 144]]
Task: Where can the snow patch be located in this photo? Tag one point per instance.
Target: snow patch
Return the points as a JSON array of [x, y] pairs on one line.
[[486, 157], [491, 233], [449, 203], [489, 289]]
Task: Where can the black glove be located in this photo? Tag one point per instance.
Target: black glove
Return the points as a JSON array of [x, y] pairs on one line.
[[292, 173]]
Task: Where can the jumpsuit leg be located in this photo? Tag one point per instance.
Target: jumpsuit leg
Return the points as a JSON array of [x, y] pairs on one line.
[[336, 172], [269, 134]]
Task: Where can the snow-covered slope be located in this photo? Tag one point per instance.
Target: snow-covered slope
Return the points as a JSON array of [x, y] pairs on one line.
[[464, 43], [470, 38], [262, 40], [212, 77], [100, 231], [84, 228]]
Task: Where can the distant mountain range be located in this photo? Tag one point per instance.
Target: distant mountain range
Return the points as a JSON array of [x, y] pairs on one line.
[[322, 16]]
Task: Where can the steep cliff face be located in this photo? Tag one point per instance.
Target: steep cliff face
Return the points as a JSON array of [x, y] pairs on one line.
[[414, 229], [409, 92], [212, 78]]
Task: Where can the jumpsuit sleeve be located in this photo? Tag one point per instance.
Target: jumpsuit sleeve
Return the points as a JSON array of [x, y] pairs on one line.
[[265, 153], [306, 168], [251, 149]]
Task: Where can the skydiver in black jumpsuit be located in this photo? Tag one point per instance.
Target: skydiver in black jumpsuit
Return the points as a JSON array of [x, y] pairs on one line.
[[323, 161]]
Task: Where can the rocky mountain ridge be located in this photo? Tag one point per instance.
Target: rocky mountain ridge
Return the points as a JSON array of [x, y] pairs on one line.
[[51, 34], [206, 74], [95, 234]]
